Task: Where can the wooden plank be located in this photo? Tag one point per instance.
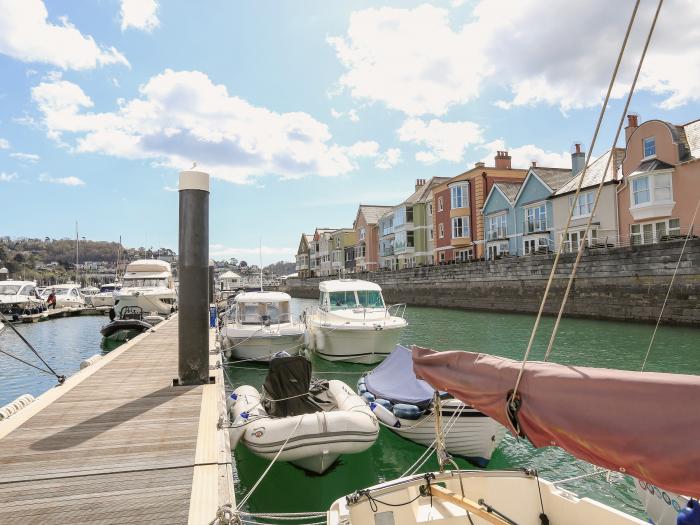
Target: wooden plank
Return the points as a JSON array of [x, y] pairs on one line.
[[447, 495]]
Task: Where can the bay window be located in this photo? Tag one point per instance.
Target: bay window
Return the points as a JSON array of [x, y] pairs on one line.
[[459, 195], [460, 227], [651, 232]]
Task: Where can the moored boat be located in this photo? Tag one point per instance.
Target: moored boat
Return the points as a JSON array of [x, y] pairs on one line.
[[67, 295], [130, 323], [259, 325], [352, 323], [409, 411], [310, 424], [147, 284], [20, 297], [105, 297]]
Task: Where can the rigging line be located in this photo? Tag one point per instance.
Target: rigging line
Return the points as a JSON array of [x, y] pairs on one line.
[[600, 186], [578, 190], [25, 362], [61, 378], [670, 285]]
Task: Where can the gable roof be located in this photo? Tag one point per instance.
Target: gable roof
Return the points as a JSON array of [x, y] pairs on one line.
[[594, 173], [372, 214], [509, 190], [692, 137], [552, 178]]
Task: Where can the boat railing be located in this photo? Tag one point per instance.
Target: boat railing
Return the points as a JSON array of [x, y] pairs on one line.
[[398, 309]]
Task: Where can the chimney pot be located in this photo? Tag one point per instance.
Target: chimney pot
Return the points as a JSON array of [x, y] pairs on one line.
[[479, 164], [632, 124], [503, 160], [534, 163], [578, 148]]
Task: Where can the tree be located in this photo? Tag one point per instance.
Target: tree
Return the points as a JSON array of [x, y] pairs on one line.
[[243, 264]]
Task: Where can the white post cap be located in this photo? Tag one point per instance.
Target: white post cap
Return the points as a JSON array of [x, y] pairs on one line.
[[194, 180]]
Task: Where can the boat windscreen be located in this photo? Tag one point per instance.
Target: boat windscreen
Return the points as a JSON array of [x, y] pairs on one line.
[[144, 283], [9, 289], [370, 298], [342, 300]]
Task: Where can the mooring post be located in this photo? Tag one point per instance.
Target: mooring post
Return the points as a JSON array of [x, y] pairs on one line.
[[193, 297]]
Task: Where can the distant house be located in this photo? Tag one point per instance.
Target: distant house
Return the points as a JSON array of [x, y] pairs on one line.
[[319, 252], [340, 240], [499, 219], [302, 256], [660, 180], [366, 228], [604, 227], [230, 281]]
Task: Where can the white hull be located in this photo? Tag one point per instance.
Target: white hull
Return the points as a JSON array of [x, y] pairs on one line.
[[365, 345], [149, 301], [260, 346], [472, 435], [660, 505], [99, 300], [319, 439], [514, 494]]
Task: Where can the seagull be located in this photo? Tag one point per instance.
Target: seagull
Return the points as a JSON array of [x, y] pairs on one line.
[[194, 165]]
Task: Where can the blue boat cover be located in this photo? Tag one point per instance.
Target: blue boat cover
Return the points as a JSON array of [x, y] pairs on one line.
[[395, 381]]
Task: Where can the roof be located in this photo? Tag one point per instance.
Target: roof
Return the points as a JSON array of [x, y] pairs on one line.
[[651, 165], [692, 136], [555, 178], [372, 214], [347, 285], [509, 189], [148, 265], [229, 275], [594, 173], [263, 297], [342, 230]]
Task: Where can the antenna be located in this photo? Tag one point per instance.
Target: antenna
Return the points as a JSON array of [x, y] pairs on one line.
[[261, 272]]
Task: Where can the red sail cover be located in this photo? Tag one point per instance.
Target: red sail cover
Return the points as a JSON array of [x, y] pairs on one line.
[[644, 424]]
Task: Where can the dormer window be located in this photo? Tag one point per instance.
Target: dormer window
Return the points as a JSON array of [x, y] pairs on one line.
[[649, 147]]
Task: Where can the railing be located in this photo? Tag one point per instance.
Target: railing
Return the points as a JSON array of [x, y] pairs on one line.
[[536, 226], [398, 308], [497, 235]]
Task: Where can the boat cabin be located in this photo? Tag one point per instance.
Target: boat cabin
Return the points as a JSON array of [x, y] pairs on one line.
[[263, 308], [109, 287], [148, 273], [71, 291], [343, 294], [17, 289]]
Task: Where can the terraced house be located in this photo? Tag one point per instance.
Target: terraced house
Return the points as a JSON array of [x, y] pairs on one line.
[[660, 187], [406, 231], [302, 256], [458, 204], [340, 240], [367, 230]]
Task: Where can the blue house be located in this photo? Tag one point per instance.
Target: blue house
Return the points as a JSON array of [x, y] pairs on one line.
[[499, 220], [533, 212]]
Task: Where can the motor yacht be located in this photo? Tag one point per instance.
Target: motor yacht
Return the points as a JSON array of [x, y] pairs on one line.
[[105, 297], [147, 284], [352, 323], [260, 324], [67, 295], [20, 297]]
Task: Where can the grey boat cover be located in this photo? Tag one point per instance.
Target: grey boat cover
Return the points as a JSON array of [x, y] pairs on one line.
[[395, 381]]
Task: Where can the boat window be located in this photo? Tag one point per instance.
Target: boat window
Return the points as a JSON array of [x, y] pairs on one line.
[[9, 289], [143, 283], [74, 292], [342, 300], [27, 290], [60, 291], [105, 289], [370, 298], [250, 313]]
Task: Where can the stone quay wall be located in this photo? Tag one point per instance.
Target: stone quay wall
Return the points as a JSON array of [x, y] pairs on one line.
[[627, 283]]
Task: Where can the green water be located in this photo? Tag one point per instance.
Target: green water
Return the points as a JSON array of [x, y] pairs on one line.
[[580, 342]]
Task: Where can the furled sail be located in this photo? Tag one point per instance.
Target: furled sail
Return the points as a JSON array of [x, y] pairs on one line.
[[646, 424]]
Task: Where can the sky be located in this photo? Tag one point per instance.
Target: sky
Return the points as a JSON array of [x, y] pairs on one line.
[[302, 109]]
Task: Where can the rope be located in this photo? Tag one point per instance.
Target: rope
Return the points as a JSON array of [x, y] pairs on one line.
[[670, 285], [60, 378], [257, 483], [582, 476], [600, 187], [578, 190], [25, 362]]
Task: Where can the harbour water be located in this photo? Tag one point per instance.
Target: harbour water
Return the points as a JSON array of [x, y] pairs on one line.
[[66, 342]]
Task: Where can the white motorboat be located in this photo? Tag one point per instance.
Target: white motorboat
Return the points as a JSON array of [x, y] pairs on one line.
[[88, 293], [20, 297], [105, 297], [478, 497], [260, 325], [352, 323], [147, 284], [67, 295], [312, 423], [408, 409]]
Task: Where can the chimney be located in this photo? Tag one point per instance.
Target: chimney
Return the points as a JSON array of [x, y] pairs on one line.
[[578, 159], [502, 160], [534, 163], [632, 124], [479, 164], [419, 183]]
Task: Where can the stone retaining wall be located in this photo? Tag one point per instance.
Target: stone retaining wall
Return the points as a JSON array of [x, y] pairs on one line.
[[627, 283]]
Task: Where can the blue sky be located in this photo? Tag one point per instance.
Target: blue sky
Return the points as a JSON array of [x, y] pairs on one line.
[[301, 109]]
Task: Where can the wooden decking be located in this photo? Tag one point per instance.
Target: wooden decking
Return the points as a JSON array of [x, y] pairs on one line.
[[119, 444]]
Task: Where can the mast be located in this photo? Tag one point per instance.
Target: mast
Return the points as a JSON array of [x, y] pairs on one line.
[[261, 272], [116, 270], [77, 277]]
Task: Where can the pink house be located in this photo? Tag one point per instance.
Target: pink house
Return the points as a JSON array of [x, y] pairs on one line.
[[661, 180]]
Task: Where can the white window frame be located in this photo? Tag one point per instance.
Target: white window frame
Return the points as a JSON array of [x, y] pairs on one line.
[[651, 140], [441, 256], [363, 233], [431, 234], [430, 209], [639, 236], [660, 190], [441, 204], [583, 207], [459, 195], [497, 223], [463, 255], [463, 229], [532, 209], [441, 230]]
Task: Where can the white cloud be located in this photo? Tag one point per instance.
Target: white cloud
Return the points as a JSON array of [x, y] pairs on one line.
[[389, 159], [522, 156], [26, 157], [66, 181], [416, 61], [27, 35], [353, 116], [170, 188], [7, 177], [220, 250], [182, 116], [443, 140], [4, 144], [336, 114], [367, 148], [410, 59], [139, 14]]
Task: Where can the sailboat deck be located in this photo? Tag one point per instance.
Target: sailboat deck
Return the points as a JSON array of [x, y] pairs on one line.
[[117, 443]]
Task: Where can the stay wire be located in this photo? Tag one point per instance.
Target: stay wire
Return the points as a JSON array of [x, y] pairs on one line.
[[599, 191], [578, 190], [60, 378], [25, 362]]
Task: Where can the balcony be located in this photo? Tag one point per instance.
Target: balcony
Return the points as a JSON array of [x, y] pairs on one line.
[[499, 234], [536, 226]]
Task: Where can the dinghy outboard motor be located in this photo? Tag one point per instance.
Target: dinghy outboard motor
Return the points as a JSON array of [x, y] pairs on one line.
[[286, 387]]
